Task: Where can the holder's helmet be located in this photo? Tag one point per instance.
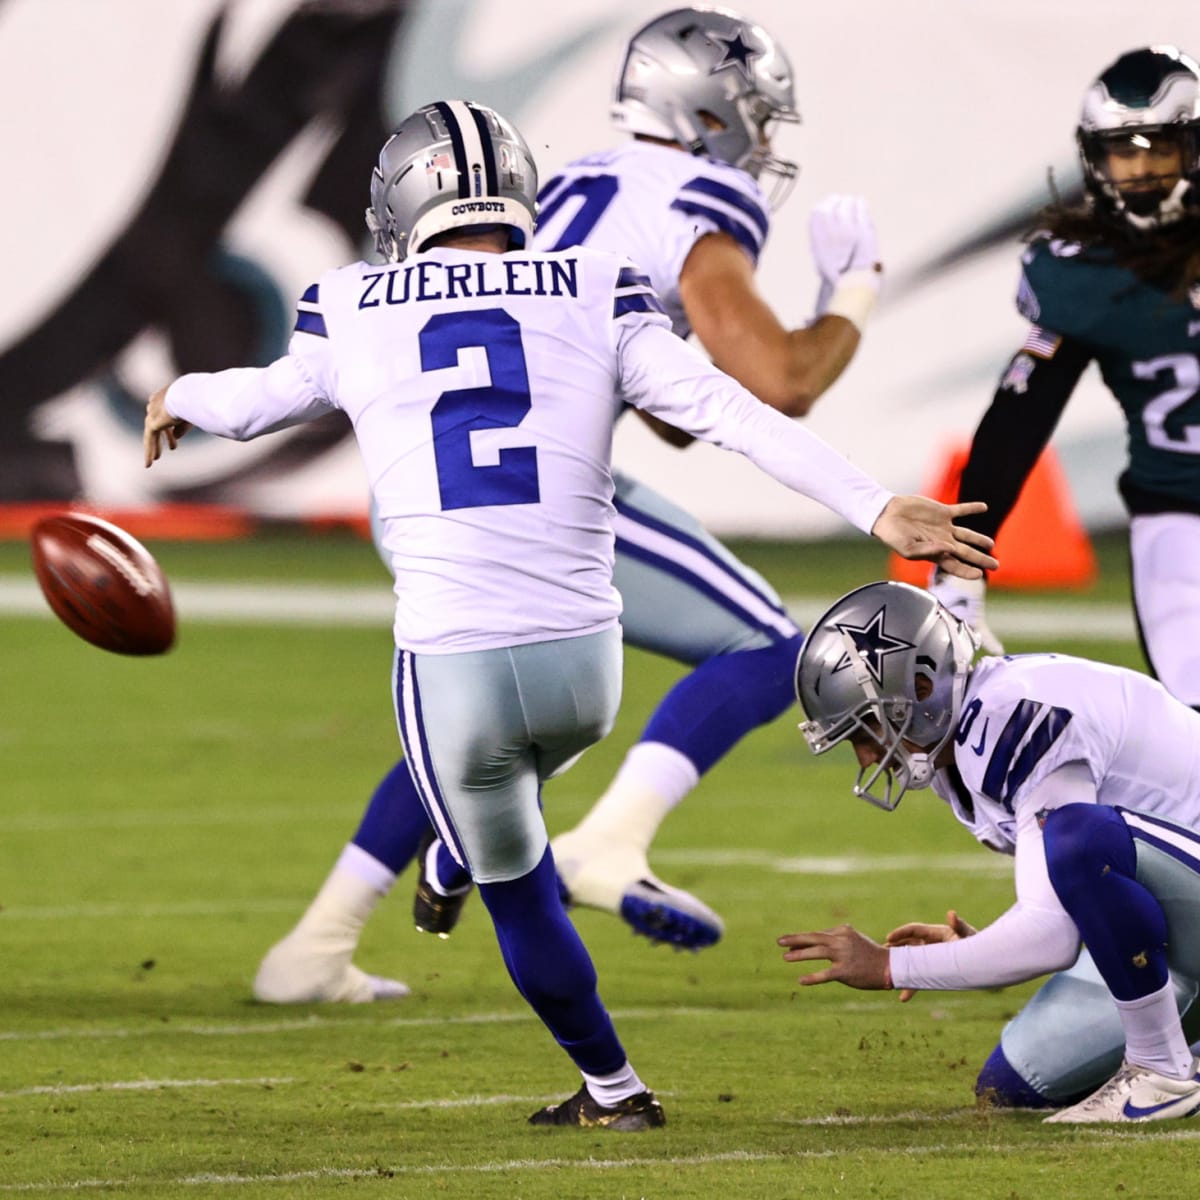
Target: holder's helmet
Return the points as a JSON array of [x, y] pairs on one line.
[[858, 673]]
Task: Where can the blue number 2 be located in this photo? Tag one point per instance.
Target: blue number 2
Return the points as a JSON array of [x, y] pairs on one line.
[[502, 405]]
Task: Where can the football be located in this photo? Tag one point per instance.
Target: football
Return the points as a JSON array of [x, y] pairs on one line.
[[103, 584]]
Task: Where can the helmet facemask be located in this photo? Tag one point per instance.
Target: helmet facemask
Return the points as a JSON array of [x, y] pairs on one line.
[[1139, 138]]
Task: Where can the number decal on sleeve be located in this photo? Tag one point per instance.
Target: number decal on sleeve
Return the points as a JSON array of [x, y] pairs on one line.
[[1161, 415], [500, 405], [597, 192]]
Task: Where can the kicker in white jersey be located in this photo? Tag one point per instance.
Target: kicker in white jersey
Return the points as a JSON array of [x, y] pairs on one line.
[[483, 389]]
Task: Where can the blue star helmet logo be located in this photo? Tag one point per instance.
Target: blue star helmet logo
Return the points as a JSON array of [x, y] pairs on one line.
[[736, 54], [873, 644]]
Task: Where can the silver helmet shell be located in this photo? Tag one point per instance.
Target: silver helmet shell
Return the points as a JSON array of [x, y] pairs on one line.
[[858, 673], [714, 82], [1151, 93], [450, 165]]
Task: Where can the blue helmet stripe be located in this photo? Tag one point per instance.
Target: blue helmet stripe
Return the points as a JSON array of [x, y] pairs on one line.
[[489, 153], [460, 151]]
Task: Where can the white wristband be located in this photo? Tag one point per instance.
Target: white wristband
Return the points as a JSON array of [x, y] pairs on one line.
[[854, 296]]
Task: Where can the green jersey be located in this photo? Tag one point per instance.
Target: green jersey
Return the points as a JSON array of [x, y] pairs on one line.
[[1147, 345]]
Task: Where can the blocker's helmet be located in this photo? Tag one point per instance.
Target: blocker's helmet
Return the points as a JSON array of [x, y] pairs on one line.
[[859, 672], [714, 82], [1147, 98], [450, 165]]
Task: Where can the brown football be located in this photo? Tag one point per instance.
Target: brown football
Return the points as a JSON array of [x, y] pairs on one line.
[[103, 584]]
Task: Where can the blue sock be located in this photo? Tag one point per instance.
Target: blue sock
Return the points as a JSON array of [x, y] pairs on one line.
[[711, 709], [395, 821], [1092, 862], [551, 967]]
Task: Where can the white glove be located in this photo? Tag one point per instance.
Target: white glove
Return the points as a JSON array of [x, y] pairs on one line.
[[964, 598], [845, 251]]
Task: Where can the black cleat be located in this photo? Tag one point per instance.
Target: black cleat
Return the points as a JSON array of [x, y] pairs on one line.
[[631, 1115], [432, 911]]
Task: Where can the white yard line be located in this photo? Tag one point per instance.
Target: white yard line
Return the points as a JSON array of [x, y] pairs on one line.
[[1099, 1139], [320, 1024], [370, 604], [143, 1085]]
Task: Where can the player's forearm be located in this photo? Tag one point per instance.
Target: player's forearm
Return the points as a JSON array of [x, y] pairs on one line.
[[1022, 944], [1016, 429], [789, 370], [245, 402], [666, 377]]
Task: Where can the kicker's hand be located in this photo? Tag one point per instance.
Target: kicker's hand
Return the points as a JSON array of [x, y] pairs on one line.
[[160, 425], [853, 958], [917, 933], [917, 527]]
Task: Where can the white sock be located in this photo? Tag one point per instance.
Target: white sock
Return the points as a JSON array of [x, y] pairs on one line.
[[610, 1090], [652, 780], [1153, 1033], [347, 898]]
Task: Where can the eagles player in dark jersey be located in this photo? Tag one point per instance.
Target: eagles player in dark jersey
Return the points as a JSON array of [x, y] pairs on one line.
[[1115, 280]]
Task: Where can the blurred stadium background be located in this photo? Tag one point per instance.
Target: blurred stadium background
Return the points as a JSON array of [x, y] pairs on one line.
[[182, 171]]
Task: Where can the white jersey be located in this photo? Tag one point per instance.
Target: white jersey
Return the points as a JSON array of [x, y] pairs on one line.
[[1038, 731], [483, 390], [1027, 715], [652, 203]]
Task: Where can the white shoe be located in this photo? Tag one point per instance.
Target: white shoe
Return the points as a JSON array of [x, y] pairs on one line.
[[1136, 1094], [615, 877], [298, 970]]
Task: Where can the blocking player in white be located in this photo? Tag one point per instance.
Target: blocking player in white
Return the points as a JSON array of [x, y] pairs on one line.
[[701, 92], [1088, 774], [482, 379]]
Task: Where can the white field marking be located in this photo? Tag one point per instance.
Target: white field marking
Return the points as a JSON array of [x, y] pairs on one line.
[[371, 604], [144, 1085], [847, 864], [863, 864], [1100, 1138], [319, 1024], [152, 818]]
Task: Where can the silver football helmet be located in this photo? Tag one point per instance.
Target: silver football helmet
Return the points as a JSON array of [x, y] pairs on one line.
[[714, 82], [451, 164], [1147, 98], [887, 663]]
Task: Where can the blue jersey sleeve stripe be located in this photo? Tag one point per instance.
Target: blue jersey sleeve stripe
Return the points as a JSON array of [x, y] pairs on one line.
[[312, 295], [311, 322], [637, 302], [731, 196], [739, 230], [631, 278]]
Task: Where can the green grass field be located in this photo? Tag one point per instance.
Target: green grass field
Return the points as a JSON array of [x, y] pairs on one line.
[[165, 820]]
